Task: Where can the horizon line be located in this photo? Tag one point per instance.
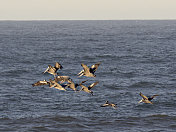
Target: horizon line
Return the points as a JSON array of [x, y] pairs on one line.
[[87, 19]]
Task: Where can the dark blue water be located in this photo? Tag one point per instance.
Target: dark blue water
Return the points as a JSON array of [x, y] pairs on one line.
[[135, 56]]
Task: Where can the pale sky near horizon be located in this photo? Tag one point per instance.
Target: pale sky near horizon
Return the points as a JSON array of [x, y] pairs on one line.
[[87, 9]]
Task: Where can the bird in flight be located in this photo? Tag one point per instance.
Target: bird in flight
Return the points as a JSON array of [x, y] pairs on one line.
[[146, 99], [88, 89], [89, 72], [52, 70], [114, 106]]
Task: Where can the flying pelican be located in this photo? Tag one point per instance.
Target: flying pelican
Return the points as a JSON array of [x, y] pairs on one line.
[[109, 104], [88, 89], [89, 72], [62, 79], [146, 99], [56, 85], [52, 70], [39, 83], [73, 85]]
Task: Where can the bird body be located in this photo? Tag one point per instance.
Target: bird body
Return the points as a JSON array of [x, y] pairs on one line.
[[109, 104]]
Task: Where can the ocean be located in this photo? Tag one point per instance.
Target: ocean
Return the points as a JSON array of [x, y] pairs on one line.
[[136, 56]]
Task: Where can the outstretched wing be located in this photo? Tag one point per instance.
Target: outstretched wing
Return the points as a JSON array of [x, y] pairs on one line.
[[143, 96], [58, 85], [84, 88], [82, 82], [58, 65], [94, 67], [92, 85], [39, 83], [150, 98], [86, 69]]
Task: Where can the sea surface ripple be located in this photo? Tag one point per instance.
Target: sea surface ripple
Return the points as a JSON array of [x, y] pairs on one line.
[[135, 56]]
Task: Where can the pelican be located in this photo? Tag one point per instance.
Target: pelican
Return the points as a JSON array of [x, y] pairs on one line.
[[88, 89], [52, 70], [39, 83], [62, 79], [56, 85], [89, 72], [73, 85], [146, 99], [114, 106]]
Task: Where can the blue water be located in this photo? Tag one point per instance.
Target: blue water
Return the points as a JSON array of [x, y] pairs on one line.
[[135, 56]]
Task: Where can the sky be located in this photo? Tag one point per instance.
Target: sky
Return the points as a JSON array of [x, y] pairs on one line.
[[87, 9]]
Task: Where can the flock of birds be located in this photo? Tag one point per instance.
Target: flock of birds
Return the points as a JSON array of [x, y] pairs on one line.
[[64, 82]]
